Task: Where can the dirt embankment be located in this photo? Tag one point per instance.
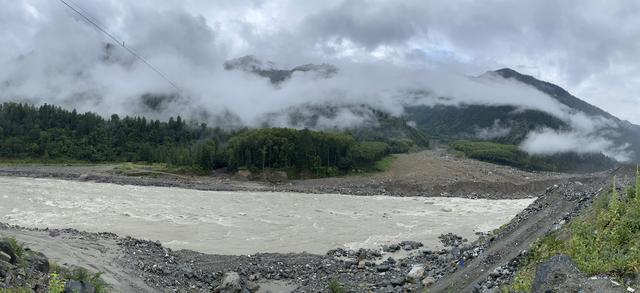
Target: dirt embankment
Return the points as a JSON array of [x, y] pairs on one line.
[[425, 173], [556, 207]]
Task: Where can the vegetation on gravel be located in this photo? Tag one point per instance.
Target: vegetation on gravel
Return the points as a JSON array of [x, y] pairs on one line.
[[512, 155], [56, 283], [84, 276], [604, 240], [384, 164], [503, 154], [336, 287]]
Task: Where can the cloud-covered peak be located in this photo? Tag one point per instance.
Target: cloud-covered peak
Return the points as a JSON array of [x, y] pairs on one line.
[[268, 69]]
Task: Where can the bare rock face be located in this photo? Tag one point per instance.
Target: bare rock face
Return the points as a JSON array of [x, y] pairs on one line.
[[277, 75], [321, 70], [248, 63]]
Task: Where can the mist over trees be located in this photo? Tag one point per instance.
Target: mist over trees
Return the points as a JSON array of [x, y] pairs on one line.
[[52, 133]]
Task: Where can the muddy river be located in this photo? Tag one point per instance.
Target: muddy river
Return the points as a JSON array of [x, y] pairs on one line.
[[246, 222]]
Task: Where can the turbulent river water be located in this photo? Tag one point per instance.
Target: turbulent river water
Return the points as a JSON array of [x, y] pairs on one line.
[[246, 222]]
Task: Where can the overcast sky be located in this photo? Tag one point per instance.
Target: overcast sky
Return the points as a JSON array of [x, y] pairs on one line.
[[588, 47]]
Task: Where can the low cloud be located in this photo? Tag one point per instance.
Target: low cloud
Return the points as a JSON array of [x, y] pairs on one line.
[[53, 56], [548, 141], [495, 131]]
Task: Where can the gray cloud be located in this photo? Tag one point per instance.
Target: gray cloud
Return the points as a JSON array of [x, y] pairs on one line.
[[366, 22], [386, 51]]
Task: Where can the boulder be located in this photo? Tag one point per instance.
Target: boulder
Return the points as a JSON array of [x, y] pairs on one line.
[[560, 274], [73, 286], [38, 261], [399, 281], [428, 281], [231, 283], [416, 273], [391, 248], [411, 245], [382, 268]]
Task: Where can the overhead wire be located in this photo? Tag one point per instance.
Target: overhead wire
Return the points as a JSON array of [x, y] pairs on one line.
[[86, 16]]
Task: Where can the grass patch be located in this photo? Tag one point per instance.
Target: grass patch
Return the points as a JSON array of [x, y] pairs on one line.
[[131, 167], [381, 165], [603, 240], [336, 287], [384, 164], [154, 169]]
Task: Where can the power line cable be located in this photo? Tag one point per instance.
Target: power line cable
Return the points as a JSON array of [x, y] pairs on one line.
[[112, 36]]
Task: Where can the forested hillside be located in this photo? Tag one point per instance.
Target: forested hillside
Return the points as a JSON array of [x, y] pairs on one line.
[[455, 122], [52, 133]]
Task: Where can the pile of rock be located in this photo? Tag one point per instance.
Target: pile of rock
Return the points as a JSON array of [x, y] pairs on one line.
[[21, 267]]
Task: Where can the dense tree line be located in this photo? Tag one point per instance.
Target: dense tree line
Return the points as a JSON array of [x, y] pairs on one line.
[[319, 152], [50, 132]]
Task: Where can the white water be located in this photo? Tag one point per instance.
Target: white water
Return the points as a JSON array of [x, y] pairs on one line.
[[246, 222]]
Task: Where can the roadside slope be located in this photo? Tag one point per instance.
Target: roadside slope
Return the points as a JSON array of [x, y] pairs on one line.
[[556, 205]]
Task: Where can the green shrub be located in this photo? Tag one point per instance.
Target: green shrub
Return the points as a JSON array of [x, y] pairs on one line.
[[56, 283], [18, 248], [83, 275], [400, 146]]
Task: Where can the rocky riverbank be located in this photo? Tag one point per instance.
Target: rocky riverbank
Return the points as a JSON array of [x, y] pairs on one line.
[[136, 265], [431, 173], [405, 266]]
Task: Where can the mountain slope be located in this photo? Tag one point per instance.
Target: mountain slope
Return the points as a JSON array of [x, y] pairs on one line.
[[556, 92], [622, 132], [505, 122], [509, 124]]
